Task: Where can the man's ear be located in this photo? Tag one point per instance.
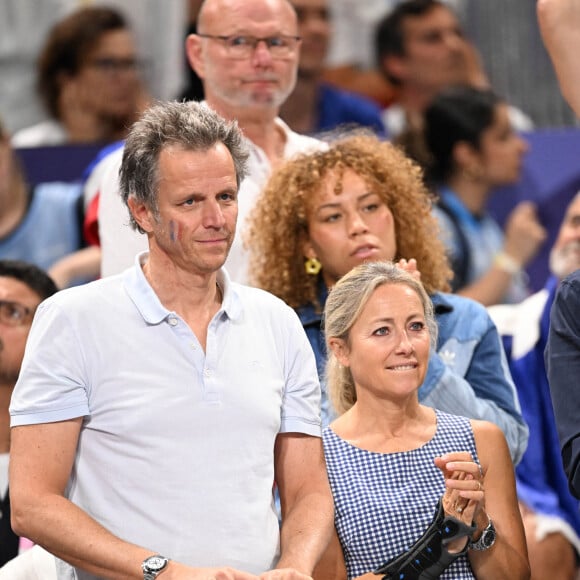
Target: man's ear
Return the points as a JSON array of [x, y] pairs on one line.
[[193, 51], [394, 66], [141, 214], [340, 350]]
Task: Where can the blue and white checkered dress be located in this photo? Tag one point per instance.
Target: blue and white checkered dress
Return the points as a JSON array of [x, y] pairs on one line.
[[385, 502]]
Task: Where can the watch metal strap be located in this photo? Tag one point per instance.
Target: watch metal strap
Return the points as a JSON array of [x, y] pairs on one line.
[[484, 542], [149, 573]]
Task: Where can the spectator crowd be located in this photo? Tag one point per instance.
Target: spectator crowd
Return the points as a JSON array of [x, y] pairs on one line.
[[274, 329]]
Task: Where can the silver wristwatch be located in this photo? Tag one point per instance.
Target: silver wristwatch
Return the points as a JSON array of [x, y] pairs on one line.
[[486, 540], [153, 566]]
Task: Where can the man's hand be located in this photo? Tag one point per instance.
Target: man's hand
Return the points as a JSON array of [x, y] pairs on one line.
[[177, 571], [284, 574], [524, 234]]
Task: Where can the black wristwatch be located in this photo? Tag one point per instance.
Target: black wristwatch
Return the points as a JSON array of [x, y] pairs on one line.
[[153, 566], [486, 540]]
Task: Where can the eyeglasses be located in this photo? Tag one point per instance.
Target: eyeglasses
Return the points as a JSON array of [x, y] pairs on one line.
[[14, 313], [111, 66], [242, 46]]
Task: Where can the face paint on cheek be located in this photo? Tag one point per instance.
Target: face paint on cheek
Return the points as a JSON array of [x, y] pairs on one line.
[[173, 234]]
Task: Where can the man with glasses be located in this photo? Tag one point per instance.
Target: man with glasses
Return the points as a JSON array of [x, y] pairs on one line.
[[246, 53], [88, 80], [22, 288]]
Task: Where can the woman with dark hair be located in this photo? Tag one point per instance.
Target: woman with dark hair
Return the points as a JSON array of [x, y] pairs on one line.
[[88, 81], [472, 149]]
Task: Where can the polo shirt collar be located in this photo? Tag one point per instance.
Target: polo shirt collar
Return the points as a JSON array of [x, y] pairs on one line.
[[149, 305], [231, 303]]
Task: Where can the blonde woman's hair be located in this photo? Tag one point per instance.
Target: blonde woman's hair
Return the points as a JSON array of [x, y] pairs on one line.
[[343, 307]]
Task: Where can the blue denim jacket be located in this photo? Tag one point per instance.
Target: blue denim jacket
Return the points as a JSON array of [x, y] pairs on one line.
[[467, 375]]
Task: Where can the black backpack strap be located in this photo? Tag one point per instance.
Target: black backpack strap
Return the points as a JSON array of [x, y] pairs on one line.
[[428, 558]]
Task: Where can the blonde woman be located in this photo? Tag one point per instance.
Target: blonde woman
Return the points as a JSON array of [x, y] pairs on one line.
[[408, 481]]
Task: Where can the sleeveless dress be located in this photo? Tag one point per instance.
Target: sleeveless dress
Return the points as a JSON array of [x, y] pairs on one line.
[[384, 502]]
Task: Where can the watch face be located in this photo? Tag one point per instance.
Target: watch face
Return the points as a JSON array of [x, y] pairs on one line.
[[488, 537], [486, 540], [156, 563]]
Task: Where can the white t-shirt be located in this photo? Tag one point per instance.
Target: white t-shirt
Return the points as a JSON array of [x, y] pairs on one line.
[[45, 133], [33, 564], [176, 451]]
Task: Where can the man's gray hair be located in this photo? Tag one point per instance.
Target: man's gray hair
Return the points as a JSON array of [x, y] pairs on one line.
[[189, 125]]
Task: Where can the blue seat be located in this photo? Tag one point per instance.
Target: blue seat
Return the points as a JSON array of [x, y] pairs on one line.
[[57, 162]]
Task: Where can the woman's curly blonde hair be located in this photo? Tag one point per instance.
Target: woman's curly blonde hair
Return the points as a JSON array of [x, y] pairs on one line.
[[278, 224]]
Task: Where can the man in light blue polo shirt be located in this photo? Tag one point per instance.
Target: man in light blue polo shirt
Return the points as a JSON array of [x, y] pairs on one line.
[[155, 409]]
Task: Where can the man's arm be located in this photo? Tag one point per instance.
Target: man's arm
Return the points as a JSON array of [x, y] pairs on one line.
[[562, 357], [307, 506], [332, 565], [41, 460], [84, 264], [559, 22]]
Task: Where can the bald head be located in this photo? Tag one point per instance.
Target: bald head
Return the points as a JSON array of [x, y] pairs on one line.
[[212, 10]]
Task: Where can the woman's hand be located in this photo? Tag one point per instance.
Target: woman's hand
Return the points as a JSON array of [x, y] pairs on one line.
[[409, 266], [464, 497]]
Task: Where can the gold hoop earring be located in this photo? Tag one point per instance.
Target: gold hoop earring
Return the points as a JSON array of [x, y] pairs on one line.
[[312, 266]]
